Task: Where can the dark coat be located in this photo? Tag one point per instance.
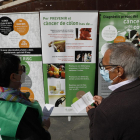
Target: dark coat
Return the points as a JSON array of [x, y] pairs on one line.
[[118, 116]]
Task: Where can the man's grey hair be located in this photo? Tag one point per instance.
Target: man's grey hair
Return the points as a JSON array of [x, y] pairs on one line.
[[127, 56]]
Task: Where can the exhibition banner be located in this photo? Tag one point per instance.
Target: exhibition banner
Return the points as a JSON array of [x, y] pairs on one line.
[[69, 57], [116, 27], [20, 35]]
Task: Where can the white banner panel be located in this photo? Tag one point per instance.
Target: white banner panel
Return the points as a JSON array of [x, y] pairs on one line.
[[69, 57]]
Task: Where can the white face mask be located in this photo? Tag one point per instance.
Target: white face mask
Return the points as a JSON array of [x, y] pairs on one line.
[[105, 74], [22, 79]]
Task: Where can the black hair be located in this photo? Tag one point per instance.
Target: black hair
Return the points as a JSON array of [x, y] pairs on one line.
[[9, 64]]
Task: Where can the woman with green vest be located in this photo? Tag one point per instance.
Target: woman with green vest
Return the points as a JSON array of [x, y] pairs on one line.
[[20, 119]]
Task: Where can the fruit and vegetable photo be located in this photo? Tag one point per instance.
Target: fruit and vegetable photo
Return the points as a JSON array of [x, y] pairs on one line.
[[56, 71]]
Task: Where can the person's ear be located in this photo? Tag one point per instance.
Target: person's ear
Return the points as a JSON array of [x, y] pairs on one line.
[[120, 71], [13, 77]]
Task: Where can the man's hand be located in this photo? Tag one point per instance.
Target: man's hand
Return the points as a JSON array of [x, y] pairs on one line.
[[46, 124], [98, 99], [89, 107]]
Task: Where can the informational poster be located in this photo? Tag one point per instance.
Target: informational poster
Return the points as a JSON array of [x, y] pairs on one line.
[[20, 35], [117, 27], [69, 57]]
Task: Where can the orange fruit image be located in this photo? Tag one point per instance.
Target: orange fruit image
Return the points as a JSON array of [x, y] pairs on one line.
[[50, 73]]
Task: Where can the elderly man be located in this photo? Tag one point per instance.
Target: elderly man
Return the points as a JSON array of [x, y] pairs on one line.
[[118, 116]]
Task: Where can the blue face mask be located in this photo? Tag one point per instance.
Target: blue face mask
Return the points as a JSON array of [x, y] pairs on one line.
[[105, 74]]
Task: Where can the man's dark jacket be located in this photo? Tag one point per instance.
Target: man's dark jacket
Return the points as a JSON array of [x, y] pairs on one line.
[[118, 116]]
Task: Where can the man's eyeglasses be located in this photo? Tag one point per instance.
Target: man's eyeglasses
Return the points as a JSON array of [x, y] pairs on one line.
[[101, 66], [23, 68]]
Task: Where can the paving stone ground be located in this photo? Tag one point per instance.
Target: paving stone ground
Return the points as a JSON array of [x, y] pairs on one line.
[[76, 129]]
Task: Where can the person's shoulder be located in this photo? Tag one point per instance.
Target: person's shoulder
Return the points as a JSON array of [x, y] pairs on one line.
[[14, 105], [109, 105]]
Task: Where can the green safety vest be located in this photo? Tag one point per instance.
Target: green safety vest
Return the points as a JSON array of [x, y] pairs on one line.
[[10, 116]]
